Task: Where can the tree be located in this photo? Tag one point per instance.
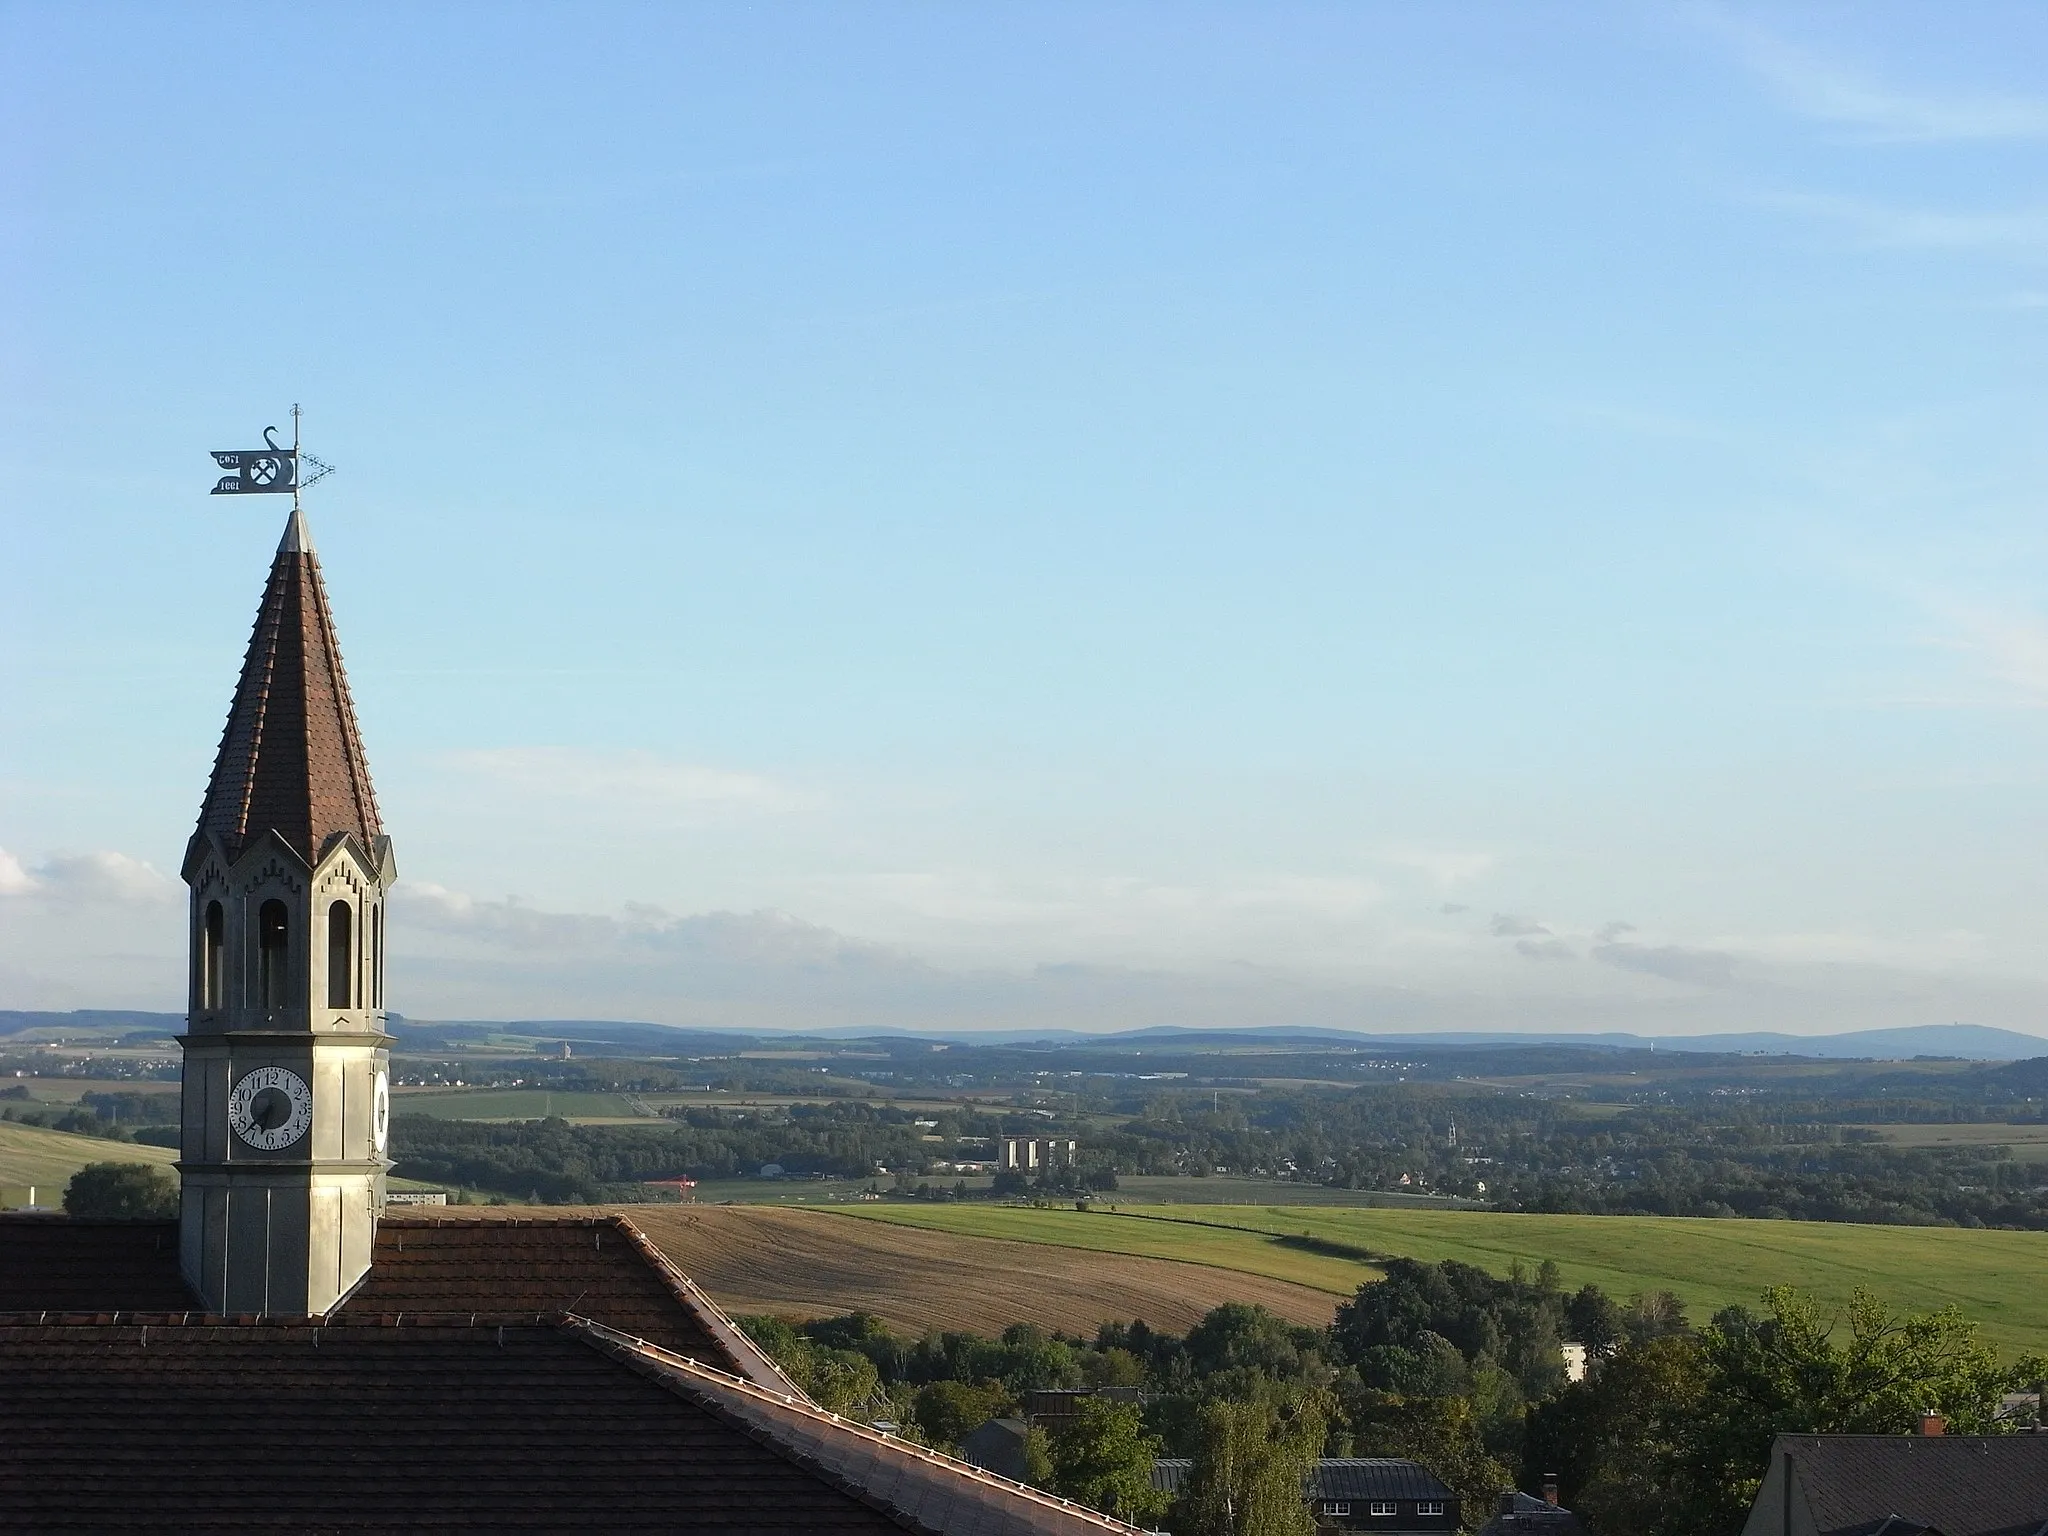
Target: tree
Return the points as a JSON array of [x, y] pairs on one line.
[[1615, 1436], [1654, 1314], [1592, 1318], [1443, 1433], [1037, 1458], [122, 1189], [1671, 1435], [947, 1411], [1112, 1367], [1252, 1461], [1786, 1372], [1103, 1458], [841, 1380]]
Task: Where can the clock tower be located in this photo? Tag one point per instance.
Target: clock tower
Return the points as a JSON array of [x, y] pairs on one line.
[[286, 1098]]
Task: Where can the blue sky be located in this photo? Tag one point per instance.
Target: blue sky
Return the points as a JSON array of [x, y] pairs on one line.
[[1361, 514]]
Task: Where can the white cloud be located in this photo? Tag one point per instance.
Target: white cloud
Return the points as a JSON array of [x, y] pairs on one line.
[[1447, 867], [2010, 647], [631, 779], [639, 933], [1873, 110], [1672, 962], [85, 878], [2024, 232], [1506, 925]]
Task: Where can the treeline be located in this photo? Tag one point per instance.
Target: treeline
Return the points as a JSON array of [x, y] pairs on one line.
[[554, 1161], [1514, 1152], [150, 1118], [1667, 1435]]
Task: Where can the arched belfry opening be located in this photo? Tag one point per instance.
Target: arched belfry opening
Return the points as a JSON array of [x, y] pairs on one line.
[[213, 954], [341, 956], [281, 1159], [273, 953]]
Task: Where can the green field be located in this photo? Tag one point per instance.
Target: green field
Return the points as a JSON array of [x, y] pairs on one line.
[[1995, 1277], [516, 1104], [30, 1154], [2026, 1143], [47, 1159], [1228, 1189]]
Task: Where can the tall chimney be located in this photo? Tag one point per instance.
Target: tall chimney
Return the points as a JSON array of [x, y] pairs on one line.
[[1550, 1489], [1932, 1423]]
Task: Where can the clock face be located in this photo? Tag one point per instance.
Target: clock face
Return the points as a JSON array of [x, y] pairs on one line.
[[271, 1108], [380, 1113]]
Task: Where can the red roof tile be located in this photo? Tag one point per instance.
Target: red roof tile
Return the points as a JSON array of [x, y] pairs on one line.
[[291, 758], [174, 1424], [493, 1270], [351, 1427]]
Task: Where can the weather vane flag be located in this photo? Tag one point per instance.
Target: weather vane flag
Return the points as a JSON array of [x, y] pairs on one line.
[[271, 470]]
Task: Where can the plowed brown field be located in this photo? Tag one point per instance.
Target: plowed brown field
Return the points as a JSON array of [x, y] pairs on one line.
[[809, 1264]]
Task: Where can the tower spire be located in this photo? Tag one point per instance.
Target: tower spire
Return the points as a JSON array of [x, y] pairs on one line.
[[291, 757], [286, 1076]]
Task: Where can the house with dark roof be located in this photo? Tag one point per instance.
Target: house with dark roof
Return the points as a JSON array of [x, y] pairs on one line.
[[1357, 1493], [287, 1354], [1904, 1485], [1518, 1514]]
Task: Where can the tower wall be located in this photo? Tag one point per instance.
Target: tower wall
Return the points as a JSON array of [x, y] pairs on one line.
[[287, 1229]]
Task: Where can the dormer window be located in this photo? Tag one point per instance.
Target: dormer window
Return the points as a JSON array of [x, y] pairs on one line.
[[340, 956], [273, 952]]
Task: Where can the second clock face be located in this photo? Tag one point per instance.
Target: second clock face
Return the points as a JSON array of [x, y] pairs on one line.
[[271, 1108]]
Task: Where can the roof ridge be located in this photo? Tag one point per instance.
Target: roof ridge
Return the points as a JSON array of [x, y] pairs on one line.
[[661, 1363], [83, 1318], [709, 1314]]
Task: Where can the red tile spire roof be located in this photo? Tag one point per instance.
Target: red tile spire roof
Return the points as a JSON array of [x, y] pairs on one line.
[[291, 759]]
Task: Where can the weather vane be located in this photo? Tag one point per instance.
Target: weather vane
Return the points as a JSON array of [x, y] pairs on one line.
[[270, 470]]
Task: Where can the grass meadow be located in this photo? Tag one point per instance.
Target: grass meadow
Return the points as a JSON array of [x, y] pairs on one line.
[[1996, 1278], [47, 1159]]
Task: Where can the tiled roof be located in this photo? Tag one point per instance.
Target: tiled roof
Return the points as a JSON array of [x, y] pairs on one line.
[[598, 1267], [291, 759], [1375, 1477], [170, 1423], [493, 1270], [923, 1489], [1526, 1516], [1335, 1477], [1961, 1485], [354, 1427], [64, 1264]]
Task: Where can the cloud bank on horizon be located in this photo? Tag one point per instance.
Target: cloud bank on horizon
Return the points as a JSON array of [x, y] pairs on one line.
[[105, 930]]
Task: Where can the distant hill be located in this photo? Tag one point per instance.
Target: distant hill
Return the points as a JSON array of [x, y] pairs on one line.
[[102, 1022], [1971, 1042]]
